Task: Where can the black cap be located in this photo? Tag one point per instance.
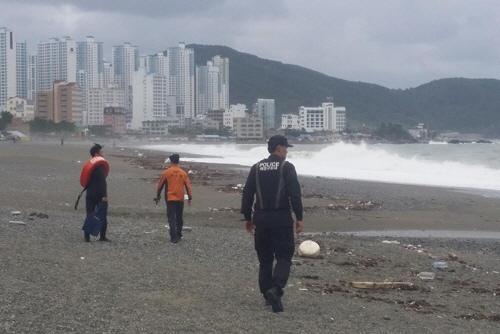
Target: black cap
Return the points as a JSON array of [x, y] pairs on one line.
[[174, 158], [276, 140]]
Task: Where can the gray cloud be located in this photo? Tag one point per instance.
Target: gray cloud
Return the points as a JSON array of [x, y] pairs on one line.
[[395, 43]]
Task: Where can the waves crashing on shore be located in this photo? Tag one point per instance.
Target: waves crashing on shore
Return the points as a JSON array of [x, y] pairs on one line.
[[472, 166]]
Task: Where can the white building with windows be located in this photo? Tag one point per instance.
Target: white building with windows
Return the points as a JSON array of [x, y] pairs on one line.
[[21, 108], [31, 76], [324, 118], [208, 88], [8, 80], [223, 64], [126, 61], [108, 77], [182, 81], [266, 109], [22, 69], [290, 121], [56, 61], [90, 66], [151, 101], [100, 98], [248, 127], [235, 110], [157, 63]]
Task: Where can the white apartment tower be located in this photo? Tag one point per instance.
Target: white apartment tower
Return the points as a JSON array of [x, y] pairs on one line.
[[265, 108], [151, 101], [8, 82], [223, 64], [21, 69], [182, 77], [56, 61], [90, 61], [108, 77], [208, 88], [157, 63], [126, 61], [31, 77]]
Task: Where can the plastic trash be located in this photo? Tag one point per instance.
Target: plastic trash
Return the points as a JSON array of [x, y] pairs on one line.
[[440, 265], [426, 275]]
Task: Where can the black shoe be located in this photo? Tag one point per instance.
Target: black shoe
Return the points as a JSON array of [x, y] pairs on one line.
[[104, 239], [86, 238], [274, 298], [174, 240]]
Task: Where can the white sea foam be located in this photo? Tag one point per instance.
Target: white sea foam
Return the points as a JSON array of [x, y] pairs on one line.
[[433, 165]]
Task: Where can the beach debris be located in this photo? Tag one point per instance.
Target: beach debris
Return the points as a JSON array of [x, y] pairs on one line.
[[440, 265], [15, 213], [452, 256], [79, 162], [191, 171], [426, 275], [224, 209], [309, 248], [303, 289], [39, 215], [390, 242], [17, 222], [380, 285], [296, 262], [140, 155], [184, 228], [149, 232], [82, 258]]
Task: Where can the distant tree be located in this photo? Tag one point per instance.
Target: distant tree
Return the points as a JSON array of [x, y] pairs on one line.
[[393, 133], [48, 126], [5, 119], [177, 131]]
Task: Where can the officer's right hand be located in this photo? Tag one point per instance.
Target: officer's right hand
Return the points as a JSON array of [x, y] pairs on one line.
[[249, 226], [298, 226]]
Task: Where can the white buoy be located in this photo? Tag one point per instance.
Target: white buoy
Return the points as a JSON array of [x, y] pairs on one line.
[[309, 248]]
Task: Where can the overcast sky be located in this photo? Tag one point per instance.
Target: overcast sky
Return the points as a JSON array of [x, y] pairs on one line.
[[393, 43]]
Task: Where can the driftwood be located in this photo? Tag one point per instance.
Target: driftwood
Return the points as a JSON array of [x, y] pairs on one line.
[[379, 285]]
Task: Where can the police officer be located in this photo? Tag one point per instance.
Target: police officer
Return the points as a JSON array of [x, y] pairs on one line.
[[273, 182]]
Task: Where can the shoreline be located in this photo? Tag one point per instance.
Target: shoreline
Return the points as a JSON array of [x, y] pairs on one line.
[[52, 281]]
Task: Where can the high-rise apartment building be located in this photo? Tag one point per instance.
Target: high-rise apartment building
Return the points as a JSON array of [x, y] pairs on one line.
[[181, 81], [8, 81], [208, 88], [56, 61], [90, 66], [223, 64], [108, 78], [31, 76], [157, 63], [265, 108], [150, 98], [21, 69], [126, 61]]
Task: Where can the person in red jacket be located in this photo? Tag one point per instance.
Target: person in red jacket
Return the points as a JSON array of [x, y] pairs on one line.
[[174, 179]]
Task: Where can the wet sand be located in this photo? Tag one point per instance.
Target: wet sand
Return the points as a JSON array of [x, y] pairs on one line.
[[53, 282]]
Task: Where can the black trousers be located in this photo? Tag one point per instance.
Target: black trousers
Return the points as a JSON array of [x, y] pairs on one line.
[[175, 210], [91, 204], [274, 243]]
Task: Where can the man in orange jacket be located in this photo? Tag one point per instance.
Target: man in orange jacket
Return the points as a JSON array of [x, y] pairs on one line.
[[174, 179]]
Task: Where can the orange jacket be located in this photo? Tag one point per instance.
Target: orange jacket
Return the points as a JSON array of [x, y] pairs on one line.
[[174, 179]]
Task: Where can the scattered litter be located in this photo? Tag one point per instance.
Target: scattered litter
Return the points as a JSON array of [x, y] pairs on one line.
[[39, 215], [184, 228], [140, 155], [190, 172], [426, 275], [79, 162], [82, 258], [309, 248], [379, 285], [440, 265], [17, 222], [148, 232], [453, 256], [303, 289], [391, 242], [15, 213], [297, 262]]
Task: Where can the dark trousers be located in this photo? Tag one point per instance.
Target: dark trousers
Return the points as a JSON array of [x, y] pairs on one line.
[[175, 210], [274, 243], [91, 204]]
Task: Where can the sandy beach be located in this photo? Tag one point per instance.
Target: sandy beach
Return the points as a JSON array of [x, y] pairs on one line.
[[53, 282]]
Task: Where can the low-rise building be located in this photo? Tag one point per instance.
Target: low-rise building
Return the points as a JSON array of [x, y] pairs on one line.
[[21, 108], [62, 103], [116, 118], [235, 110], [327, 117], [290, 121], [249, 127]]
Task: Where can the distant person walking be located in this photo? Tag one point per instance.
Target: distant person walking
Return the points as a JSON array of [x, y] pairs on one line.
[[274, 184], [97, 187], [174, 179], [62, 141]]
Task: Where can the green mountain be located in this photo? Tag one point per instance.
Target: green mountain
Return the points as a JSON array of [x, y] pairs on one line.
[[464, 105]]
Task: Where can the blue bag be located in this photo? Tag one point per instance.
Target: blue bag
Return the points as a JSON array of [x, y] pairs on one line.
[[94, 221]]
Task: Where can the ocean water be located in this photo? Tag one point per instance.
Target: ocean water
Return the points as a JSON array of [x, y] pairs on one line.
[[465, 166]]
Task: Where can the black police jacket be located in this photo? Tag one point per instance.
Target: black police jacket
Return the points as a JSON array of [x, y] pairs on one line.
[[97, 187], [273, 182]]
